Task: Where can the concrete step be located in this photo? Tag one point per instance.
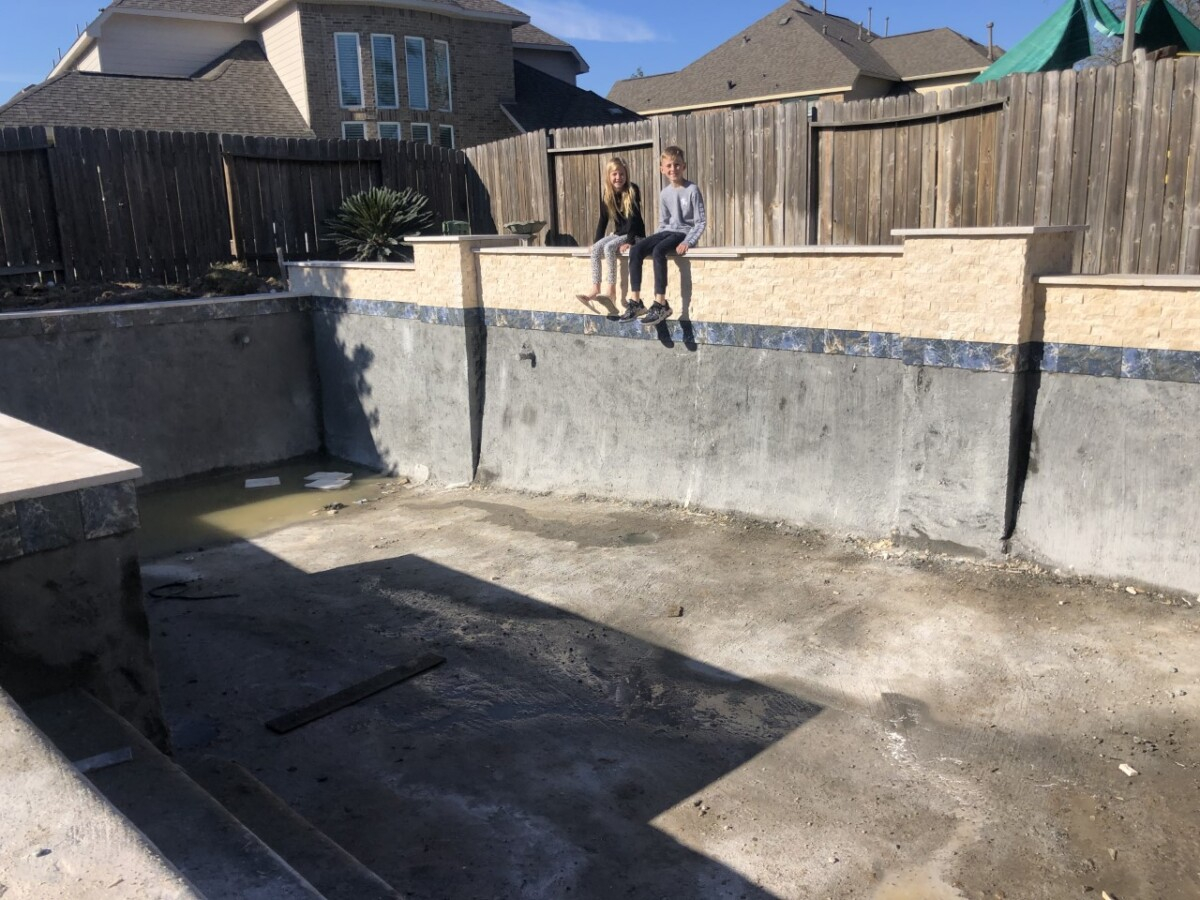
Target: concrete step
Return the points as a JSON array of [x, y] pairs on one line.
[[211, 848], [324, 863]]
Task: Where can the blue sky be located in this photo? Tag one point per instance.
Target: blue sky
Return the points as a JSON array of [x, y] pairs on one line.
[[615, 39]]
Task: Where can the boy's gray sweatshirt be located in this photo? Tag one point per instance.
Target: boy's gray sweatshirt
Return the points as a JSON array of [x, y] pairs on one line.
[[682, 209]]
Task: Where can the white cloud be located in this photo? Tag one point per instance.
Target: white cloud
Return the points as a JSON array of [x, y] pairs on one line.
[[574, 21]]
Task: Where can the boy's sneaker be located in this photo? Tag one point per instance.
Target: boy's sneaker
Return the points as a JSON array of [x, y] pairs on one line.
[[659, 312], [633, 309]]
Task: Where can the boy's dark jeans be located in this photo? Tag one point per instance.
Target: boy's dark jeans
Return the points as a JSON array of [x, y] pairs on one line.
[[661, 244]]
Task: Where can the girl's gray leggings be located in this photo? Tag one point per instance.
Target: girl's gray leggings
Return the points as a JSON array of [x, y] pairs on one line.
[[607, 246]]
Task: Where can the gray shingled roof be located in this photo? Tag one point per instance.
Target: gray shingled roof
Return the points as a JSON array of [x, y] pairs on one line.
[[544, 101], [531, 34], [930, 52], [239, 93], [795, 49], [241, 8]]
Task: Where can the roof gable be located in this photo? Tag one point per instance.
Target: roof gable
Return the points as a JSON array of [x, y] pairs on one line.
[[924, 53], [543, 101]]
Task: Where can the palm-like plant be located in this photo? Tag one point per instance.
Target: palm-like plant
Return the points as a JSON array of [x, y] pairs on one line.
[[369, 225]]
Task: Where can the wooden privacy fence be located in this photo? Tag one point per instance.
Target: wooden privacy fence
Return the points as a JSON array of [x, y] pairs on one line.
[[107, 205], [1116, 148]]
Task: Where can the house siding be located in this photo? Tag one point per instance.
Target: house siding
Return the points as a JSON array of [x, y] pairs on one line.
[[553, 62], [481, 55], [284, 46], [90, 61], [147, 45]]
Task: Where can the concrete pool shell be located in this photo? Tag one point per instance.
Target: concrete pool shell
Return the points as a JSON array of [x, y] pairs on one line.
[[820, 721], [836, 718]]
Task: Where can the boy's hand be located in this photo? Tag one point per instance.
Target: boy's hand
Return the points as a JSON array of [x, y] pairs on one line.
[[682, 249]]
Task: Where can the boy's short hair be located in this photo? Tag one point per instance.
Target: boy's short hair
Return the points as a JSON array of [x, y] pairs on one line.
[[673, 152]]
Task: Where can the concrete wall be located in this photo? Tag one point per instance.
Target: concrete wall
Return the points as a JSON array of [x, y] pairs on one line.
[[180, 388]]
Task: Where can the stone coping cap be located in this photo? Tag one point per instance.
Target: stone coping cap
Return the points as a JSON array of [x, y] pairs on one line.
[[1003, 231], [162, 304], [718, 252], [352, 264], [1149, 281], [465, 238], [40, 463]]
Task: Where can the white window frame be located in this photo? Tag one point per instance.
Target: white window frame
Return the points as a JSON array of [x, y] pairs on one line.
[[398, 136], [337, 57], [442, 129], [408, 73], [362, 125], [412, 130], [391, 44], [449, 80]]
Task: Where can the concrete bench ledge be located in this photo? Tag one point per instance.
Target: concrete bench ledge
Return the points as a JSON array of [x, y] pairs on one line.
[[39, 463]]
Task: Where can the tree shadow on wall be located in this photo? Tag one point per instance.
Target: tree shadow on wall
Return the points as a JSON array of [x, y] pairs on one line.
[[349, 416]]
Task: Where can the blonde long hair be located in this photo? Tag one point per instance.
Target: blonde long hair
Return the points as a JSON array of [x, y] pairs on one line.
[[617, 203]]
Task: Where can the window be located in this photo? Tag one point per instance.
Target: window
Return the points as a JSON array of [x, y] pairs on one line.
[[446, 136], [349, 71], [414, 60], [420, 133], [383, 57], [389, 131], [441, 76], [354, 131]]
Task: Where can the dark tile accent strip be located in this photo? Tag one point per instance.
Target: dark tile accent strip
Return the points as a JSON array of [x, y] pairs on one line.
[[48, 523], [976, 356], [171, 314], [1182, 366], [108, 509], [392, 309], [10, 532]]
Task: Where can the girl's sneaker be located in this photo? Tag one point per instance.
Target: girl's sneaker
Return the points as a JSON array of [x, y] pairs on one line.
[[659, 312], [633, 309]]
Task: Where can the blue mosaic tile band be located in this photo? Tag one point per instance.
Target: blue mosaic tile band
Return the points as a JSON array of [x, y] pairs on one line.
[[975, 356], [176, 313], [397, 309], [1122, 362], [10, 532]]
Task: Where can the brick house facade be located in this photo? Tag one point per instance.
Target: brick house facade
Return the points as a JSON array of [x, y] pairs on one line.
[[271, 67], [481, 70]]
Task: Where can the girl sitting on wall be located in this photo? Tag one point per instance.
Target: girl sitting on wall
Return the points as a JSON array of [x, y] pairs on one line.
[[620, 201]]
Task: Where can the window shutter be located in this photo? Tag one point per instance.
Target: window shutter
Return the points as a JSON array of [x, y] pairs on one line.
[[420, 133], [354, 131], [446, 136], [389, 131]]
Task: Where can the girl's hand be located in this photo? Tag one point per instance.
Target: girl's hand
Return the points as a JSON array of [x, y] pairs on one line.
[[625, 248]]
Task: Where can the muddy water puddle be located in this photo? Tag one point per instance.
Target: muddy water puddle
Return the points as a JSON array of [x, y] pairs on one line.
[[214, 510]]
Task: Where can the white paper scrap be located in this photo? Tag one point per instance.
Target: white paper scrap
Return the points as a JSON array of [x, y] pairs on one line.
[[273, 481], [335, 484]]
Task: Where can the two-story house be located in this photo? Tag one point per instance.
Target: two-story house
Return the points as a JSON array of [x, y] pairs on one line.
[[799, 53], [451, 72]]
